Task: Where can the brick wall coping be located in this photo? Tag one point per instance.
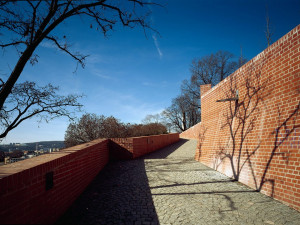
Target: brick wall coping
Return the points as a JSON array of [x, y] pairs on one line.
[[257, 57], [17, 167], [152, 136]]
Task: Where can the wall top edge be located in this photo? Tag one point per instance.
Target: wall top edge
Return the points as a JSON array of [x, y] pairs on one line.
[[27, 164], [296, 30]]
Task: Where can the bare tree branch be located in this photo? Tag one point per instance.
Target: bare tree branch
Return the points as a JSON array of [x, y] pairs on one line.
[[268, 31], [78, 57], [31, 22], [28, 100]]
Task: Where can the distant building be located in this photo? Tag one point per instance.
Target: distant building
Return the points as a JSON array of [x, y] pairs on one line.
[[12, 160]]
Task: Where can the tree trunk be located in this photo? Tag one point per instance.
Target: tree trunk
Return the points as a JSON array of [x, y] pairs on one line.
[[14, 76]]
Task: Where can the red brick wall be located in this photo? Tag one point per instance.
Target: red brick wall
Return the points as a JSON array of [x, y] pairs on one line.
[[121, 148], [192, 132], [23, 195], [147, 144], [257, 138], [138, 146], [204, 88]]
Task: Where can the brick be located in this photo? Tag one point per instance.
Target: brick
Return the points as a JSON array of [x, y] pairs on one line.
[[23, 190], [277, 66]]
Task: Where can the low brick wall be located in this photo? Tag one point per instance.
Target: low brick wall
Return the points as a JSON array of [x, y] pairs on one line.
[[24, 197], [39, 190], [126, 148]]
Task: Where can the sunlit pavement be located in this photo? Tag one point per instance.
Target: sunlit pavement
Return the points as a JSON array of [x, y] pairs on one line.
[[170, 187]]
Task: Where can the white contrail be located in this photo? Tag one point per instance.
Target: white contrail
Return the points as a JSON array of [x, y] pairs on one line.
[[157, 45]]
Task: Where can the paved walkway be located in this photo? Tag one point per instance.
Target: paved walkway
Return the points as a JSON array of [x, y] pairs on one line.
[[169, 187]]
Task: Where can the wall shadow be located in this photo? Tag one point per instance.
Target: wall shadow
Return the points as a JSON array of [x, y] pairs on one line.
[[166, 151], [118, 152], [190, 187], [120, 194]]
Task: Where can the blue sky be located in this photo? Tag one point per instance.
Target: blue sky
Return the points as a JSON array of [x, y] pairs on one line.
[[128, 75]]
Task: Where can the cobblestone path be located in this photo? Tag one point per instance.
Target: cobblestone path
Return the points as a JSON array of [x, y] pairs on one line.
[[169, 187]]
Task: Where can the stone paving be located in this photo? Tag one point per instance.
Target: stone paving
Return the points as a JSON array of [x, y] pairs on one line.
[[169, 187]]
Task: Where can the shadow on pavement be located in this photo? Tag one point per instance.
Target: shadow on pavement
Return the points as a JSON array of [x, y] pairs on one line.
[[170, 187], [166, 151], [120, 194]]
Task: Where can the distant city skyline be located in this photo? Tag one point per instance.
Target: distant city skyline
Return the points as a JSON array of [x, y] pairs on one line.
[[128, 75]]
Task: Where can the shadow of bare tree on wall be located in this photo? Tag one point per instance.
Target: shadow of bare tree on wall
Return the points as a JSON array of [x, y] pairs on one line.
[[201, 139], [281, 134], [240, 120], [244, 121]]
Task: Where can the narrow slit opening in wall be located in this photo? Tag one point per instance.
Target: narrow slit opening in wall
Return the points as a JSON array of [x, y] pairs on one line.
[[49, 180]]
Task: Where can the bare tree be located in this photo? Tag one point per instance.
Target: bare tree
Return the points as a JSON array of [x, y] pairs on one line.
[[28, 100], [210, 69], [242, 59], [268, 31], [112, 127], [191, 90], [152, 118], [137, 130], [91, 126], [158, 118], [29, 23], [181, 114], [185, 110], [213, 68]]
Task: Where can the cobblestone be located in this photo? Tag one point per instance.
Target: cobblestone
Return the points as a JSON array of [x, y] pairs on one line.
[[170, 187]]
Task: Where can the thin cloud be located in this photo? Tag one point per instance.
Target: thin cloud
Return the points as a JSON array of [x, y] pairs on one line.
[[123, 105], [157, 46], [100, 74], [48, 44], [135, 113], [148, 84], [156, 85], [95, 59]]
